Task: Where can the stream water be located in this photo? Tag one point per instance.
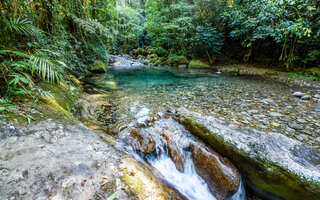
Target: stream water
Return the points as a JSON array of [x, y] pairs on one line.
[[139, 93]]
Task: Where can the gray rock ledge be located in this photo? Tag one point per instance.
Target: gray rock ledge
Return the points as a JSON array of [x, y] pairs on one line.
[[269, 162]]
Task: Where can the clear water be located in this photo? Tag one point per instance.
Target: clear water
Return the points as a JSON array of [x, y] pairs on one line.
[[243, 100], [187, 182]]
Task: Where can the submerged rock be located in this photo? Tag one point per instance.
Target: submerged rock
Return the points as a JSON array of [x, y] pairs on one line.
[[270, 162], [221, 176], [306, 97]]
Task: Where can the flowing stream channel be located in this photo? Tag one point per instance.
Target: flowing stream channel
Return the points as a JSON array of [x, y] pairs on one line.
[[140, 102]]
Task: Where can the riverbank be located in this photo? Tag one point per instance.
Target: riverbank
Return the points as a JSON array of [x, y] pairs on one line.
[[108, 104]]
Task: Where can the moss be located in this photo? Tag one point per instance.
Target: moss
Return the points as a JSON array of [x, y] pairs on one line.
[[135, 184], [153, 58], [198, 64], [141, 181], [314, 70], [140, 51], [99, 67], [263, 175], [272, 73], [177, 60]]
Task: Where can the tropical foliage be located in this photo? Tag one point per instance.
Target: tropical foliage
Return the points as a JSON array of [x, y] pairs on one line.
[[40, 40]]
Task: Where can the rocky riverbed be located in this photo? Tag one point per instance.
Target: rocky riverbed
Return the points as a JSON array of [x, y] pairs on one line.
[[252, 101], [140, 152]]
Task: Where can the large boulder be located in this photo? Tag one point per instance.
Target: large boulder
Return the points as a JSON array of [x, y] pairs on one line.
[[272, 164], [177, 60], [221, 176], [198, 64]]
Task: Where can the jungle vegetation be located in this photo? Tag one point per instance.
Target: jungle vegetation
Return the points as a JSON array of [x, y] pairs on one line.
[[44, 40]]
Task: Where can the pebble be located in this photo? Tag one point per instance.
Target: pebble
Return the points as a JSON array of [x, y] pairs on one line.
[[266, 101], [302, 121], [298, 94], [306, 97], [253, 111], [275, 114], [295, 126], [299, 138], [275, 124]]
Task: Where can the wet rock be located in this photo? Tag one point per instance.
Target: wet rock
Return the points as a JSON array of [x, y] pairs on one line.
[[93, 108], [269, 160], [306, 97], [141, 140], [221, 176], [302, 121], [142, 181], [275, 114], [298, 137], [253, 111], [175, 151], [182, 66], [116, 128], [267, 101], [298, 94], [296, 126]]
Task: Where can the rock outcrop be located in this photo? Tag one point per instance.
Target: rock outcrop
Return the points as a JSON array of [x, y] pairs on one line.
[[221, 176], [52, 161], [271, 163]]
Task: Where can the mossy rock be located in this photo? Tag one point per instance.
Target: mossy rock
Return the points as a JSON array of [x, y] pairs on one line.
[[98, 67], [177, 60], [140, 51], [198, 64], [153, 58], [266, 177], [141, 181], [151, 51], [161, 52], [314, 70]]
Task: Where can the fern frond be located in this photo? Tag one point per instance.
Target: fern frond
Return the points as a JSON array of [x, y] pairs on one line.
[[92, 26]]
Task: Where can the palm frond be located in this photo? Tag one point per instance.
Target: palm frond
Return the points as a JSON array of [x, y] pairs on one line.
[[22, 27], [16, 53], [49, 68]]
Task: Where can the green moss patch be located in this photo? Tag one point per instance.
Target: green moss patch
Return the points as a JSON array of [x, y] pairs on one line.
[[99, 67], [198, 64]]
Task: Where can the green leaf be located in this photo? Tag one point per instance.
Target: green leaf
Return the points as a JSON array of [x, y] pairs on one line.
[[113, 196]]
